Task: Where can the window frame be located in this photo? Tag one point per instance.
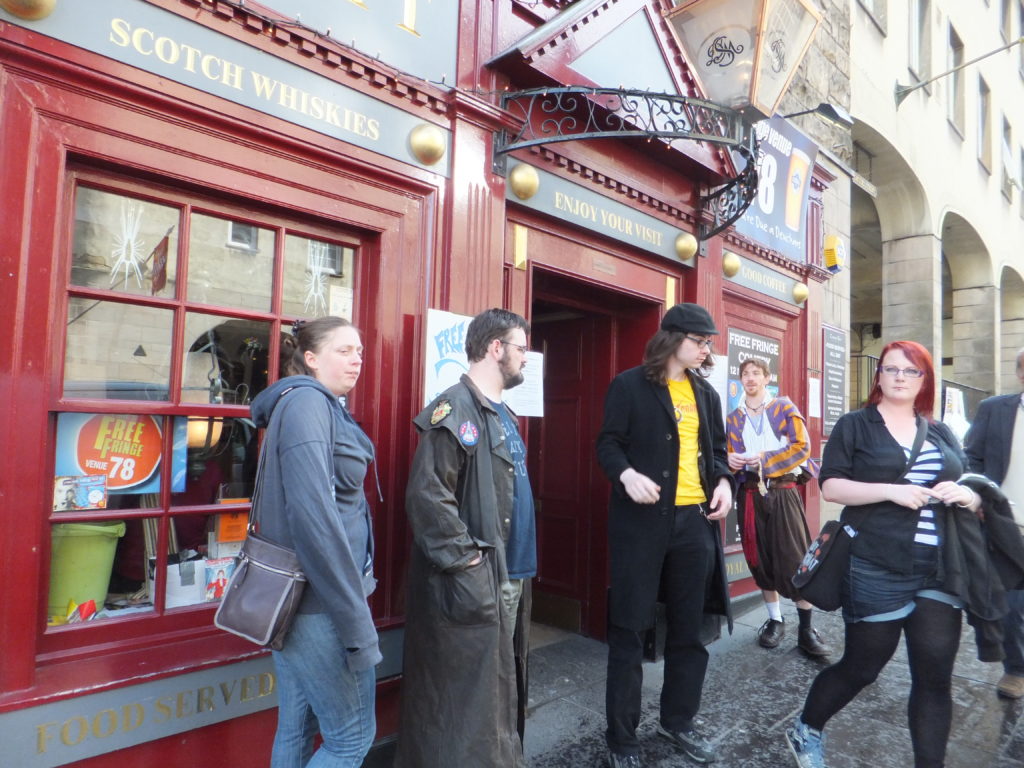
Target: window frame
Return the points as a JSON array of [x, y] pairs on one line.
[[878, 12], [136, 631], [919, 40], [956, 111], [983, 125]]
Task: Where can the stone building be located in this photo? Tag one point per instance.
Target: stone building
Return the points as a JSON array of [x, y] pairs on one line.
[[936, 204]]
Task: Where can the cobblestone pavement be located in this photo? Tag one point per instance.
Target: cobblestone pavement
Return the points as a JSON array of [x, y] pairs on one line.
[[751, 694]]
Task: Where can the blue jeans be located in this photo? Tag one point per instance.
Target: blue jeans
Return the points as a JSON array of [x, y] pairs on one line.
[[1013, 633], [316, 691]]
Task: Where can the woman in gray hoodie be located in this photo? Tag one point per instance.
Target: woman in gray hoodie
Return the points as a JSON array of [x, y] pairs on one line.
[[312, 500]]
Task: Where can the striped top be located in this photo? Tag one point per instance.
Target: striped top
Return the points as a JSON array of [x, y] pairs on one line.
[[926, 468]]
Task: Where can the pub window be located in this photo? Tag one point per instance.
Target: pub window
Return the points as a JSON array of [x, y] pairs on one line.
[[154, 452]]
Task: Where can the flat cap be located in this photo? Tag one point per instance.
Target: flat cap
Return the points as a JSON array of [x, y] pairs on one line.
[[689, 318]]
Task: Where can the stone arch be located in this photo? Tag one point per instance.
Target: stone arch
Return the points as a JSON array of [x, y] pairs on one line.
[[969, 309], [896, 266], [1011, 326]]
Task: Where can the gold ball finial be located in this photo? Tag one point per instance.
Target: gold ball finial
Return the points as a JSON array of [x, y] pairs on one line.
[[427, 143], [731, 264], [524, 181], [686, 246], [800, 293], [30, 10]]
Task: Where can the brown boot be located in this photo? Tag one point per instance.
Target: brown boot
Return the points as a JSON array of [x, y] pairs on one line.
[[810, 642], [1010, 686]]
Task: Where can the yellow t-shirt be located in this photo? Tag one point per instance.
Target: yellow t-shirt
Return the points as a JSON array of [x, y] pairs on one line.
[[688, 487]]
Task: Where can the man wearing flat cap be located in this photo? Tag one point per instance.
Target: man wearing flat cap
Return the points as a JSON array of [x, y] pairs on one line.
[[663, 447]]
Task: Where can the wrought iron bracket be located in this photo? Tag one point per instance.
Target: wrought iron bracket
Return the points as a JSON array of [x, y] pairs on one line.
[[569, 113]]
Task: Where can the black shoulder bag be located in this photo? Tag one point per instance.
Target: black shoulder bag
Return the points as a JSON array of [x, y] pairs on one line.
[[819, 577]]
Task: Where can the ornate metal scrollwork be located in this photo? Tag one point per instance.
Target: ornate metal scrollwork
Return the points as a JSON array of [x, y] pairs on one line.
[[568, 113]]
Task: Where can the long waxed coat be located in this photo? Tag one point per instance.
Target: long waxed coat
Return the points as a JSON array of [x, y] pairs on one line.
[[460, 705], [640, 431]]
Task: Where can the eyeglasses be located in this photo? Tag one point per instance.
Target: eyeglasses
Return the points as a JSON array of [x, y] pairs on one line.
[[520, 347], [702, 343], [892, 370]]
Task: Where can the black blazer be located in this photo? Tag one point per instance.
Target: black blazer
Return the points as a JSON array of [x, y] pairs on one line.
[[640, 431], [988, 441]]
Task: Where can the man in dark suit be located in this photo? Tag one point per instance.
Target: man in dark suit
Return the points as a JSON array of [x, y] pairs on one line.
[[995, 448], [662, 445]]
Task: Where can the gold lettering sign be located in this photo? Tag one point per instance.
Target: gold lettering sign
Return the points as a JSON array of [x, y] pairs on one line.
[[107, 722], [623, 224], [173, 53]]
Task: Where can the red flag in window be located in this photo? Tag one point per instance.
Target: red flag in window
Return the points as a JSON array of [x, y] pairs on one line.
[[159, 257]]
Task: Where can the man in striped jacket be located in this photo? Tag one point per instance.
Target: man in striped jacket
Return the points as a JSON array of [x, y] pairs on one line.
[[769, 451]]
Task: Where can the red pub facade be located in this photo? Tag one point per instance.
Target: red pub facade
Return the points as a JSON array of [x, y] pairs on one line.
[[184, 178]]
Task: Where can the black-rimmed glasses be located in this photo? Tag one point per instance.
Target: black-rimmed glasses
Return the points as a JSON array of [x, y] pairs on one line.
[[702, 343], [892, 370], [520, 347]]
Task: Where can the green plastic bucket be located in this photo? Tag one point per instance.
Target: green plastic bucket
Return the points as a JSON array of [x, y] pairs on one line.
[[81, 559]]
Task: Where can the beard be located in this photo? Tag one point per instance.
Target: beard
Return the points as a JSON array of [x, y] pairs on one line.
[[510, 377]]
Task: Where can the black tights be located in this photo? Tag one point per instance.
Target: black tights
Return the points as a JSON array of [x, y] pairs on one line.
[[933, 637]]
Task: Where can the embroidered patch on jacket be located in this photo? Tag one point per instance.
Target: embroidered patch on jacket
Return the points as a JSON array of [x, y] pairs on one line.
[[442, 410], [468, 433]]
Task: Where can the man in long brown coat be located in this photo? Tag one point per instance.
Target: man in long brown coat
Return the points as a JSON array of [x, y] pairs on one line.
[[474, 551]]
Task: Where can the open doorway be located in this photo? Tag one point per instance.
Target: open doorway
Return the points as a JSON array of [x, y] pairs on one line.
[[588, 334]]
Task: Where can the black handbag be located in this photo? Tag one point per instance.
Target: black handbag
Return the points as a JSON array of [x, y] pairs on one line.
[[264, 592], [819, 577]]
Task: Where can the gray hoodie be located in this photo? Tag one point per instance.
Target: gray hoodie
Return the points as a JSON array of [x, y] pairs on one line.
[[331, 532]]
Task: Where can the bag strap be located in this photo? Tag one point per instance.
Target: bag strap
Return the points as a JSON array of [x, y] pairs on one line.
[[922, 432], [258, 483]]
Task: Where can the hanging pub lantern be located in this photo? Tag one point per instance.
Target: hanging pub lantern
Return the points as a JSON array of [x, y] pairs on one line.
[[743, 53]]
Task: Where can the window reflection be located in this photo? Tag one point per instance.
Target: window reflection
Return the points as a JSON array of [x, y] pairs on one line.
[[230, 263], [225, 359], [318, 278], [117, 351], [124, 244]]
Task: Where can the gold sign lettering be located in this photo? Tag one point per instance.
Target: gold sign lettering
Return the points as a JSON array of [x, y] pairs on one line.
[[174, 706], [621, 223], [216, 69]]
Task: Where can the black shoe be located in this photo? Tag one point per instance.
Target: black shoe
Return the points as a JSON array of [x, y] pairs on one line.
[[624, 761], [771, 633], [693, 745], [810, 642]]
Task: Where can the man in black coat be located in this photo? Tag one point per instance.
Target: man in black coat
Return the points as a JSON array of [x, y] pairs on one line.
[[663, 446], [995, 445]]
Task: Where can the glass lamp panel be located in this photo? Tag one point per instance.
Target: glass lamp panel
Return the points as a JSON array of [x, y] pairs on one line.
[[719, 39], [118, 351], [786, 33], [124, 244], [230, 263], [225, 359], [318, 278]]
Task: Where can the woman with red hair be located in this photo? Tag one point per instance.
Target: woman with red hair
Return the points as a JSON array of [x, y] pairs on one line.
[[895, 498]]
